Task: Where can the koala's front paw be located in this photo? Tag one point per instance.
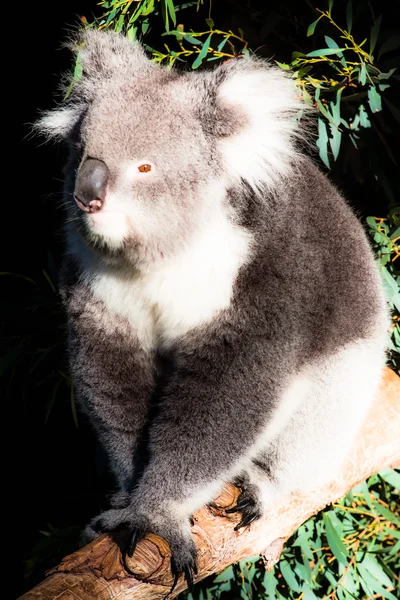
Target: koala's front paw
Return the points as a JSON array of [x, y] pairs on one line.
[[249, 505], [183, 550], [105, 522], [178, 536]]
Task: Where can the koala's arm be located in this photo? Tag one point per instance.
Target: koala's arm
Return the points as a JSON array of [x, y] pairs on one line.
[[214, 410], [112, 375], [216, 404]]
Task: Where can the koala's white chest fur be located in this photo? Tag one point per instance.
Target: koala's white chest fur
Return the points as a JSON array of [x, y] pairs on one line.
[[179, 293]]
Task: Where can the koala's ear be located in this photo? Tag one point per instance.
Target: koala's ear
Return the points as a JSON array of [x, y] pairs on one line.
[[253, 110], [58, 123], [107, 53]]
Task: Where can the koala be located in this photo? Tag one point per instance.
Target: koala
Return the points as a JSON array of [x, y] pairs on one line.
[[225, 313]]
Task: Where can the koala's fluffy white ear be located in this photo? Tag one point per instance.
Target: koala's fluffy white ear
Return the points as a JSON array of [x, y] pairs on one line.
[[107, 53], [58, 123], [259, 104]]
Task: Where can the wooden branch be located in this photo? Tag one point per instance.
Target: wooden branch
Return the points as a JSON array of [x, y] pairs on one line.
[[97, 572]]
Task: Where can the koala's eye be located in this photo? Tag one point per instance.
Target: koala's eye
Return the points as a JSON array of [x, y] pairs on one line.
[[144, 168]]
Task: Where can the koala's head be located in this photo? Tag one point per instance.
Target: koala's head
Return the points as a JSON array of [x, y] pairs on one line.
[[154, 151]]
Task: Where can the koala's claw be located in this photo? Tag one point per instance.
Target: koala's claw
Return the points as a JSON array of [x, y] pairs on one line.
[[240, 506], [249, 505], [187, 569], [135, 537], [247, 520]]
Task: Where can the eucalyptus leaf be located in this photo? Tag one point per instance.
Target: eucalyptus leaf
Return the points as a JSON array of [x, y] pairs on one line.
[[374, 34], [334, 541], [202, 53], [349, 15], [335, 140], [374, 99], [322, 142], [326, 52], [311, 27]]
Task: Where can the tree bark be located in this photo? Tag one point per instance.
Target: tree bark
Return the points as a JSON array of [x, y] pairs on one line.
[[97, 571]]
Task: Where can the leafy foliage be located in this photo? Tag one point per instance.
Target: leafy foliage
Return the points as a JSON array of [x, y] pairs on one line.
[[386, 241], [348, 80], [350, 550]]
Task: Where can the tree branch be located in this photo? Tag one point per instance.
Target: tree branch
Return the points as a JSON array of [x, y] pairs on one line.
[[97, 571]]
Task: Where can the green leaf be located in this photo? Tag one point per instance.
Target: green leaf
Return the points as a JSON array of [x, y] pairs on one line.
[[289, 576], [297, 54], [334, 541], [395, 235], [335, 108], [385, 512], [222, 44], [210, 23], [374, 34], [386, 75], [364, 118], [374, 99], [202, 53], [311, 28], [349, 15], [335, 140], [330, 4], [322, 142], [362, 75], [326, 52], [376, 570], [308, 594], [171, 10], [192, 40], [331, 43], [370, 583], [283, 66]]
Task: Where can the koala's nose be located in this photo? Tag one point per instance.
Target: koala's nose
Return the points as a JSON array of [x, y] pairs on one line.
[[91, 185]]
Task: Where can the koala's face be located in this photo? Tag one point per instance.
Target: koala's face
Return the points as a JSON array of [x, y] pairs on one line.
[[145, 173], [153, 152]]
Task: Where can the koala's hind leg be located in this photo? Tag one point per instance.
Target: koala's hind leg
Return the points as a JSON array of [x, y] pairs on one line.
[[311, 448]]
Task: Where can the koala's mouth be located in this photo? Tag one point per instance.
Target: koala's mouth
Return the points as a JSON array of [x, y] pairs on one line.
[[109, 225]]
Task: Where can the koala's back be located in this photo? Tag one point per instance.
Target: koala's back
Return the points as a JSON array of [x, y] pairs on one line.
[[315, 267]]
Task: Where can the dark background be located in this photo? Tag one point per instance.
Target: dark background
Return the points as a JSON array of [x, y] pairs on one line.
[[58, 478]]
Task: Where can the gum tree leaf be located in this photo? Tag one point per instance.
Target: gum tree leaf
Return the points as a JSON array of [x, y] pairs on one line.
[[171, 10], [334, 541], [372, 565], [326, 52], [374, 34], [335, 140], [364, 118], [202, 53], [322, 142], [374, 99], [192, 40], [331, 43], [349, 15], [312, 26], [289, 576]]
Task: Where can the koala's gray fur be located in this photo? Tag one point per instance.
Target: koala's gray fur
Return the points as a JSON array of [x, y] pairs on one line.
[[226, 316]]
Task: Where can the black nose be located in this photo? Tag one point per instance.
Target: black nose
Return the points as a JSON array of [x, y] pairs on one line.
[[91, 185]]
